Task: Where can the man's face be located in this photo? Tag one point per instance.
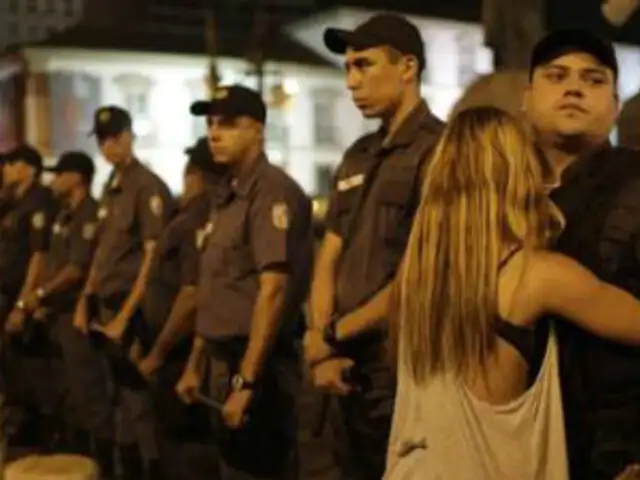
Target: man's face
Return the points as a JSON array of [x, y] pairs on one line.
[[231, 139], [377, 78], [573, 96], [16, 172], [116, 149], [64, 182]]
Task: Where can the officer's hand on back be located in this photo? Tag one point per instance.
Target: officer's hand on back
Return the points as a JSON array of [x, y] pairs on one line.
[[15, 322], [149, 365], [329, 376], [189, 384], [316, 349]]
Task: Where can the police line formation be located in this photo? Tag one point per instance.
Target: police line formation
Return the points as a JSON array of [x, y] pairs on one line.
[[467, 313]]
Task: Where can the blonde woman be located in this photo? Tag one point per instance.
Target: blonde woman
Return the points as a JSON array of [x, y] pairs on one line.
[[472, 401]]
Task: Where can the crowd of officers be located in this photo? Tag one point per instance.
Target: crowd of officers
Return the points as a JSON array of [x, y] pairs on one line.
[[164, 337]]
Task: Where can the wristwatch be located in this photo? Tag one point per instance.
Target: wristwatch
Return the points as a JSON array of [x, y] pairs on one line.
[[239, 383], [20, 305], [41, 293]]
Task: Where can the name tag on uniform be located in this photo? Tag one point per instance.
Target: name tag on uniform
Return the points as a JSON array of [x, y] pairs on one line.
[[350, 182]]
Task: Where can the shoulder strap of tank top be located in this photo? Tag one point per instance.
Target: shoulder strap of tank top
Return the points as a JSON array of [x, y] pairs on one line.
[[509, 256]]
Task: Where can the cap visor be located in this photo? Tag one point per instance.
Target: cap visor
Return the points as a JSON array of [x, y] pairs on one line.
[[201, 108], [337, 40]]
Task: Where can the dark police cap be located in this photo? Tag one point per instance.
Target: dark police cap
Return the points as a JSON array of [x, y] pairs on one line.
[[384, 29], [110, 120], [24, 153], [573, 40], [76, 162], [200, 158], [231, 102]]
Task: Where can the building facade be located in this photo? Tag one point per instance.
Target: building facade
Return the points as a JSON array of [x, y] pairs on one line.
[[48, 96], [27, 21]]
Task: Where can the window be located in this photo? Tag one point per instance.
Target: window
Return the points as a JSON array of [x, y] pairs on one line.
[[467, 48], [277, 130], [324, 108], [197, 91], [135, 92]]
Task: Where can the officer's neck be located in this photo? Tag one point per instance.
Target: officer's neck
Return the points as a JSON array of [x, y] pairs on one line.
[[124, 163], [75, 198], [560, 153], [242, 169], [394, 120]]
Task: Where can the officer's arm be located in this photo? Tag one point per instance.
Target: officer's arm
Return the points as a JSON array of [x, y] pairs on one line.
[[273, 224], [40, 231], [321, 299], [152, 215], [182, 317], [370, 316]]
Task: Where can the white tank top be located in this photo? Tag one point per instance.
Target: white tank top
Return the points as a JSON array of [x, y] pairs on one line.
[[443, 432]]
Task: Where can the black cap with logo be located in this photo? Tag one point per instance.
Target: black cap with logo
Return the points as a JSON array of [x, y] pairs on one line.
[[110, 120], [232, 101], [76, 162], [201, 159], [26, 154], [383, 29], [574, 40]]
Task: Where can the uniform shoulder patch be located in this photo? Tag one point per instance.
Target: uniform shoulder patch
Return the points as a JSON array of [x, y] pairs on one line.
[[280, 215], [155, 205], [89, 231], [37, 220]]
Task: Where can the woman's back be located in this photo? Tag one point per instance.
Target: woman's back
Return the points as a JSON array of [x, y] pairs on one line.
[[488, 424]]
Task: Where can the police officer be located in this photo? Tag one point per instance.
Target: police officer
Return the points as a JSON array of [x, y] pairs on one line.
[[88, 415], [24, 239], [253, 278], [572, 103], [368, 222], [186, 447], [134, 209]]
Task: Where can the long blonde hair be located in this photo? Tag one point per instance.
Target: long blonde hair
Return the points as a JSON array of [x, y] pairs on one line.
[[482, 192]]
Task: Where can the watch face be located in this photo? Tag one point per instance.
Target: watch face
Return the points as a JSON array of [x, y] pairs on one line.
[[237, 383]]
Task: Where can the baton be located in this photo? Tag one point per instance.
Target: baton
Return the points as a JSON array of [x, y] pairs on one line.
[[215, 405], [209, 402]]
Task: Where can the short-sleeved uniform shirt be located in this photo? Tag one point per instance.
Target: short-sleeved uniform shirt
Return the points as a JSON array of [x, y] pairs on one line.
[[264, 223], [24, 230], [73, 240], [135, 208], [373, 202]]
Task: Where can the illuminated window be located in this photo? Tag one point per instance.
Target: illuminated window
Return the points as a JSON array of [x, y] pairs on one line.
[[324, 118], [135, 91]]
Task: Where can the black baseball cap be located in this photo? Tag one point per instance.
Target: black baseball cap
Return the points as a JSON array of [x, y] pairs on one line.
[[76, 162], [573, 40], [231, 102], [24, 153], [200, 158], [383, 29], [110, 120]]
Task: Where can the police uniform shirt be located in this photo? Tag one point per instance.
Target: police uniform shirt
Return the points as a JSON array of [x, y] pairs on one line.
[[73, 236], [372, 205], [265, 223], [176, 250], [135, 207], [24, 230]]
